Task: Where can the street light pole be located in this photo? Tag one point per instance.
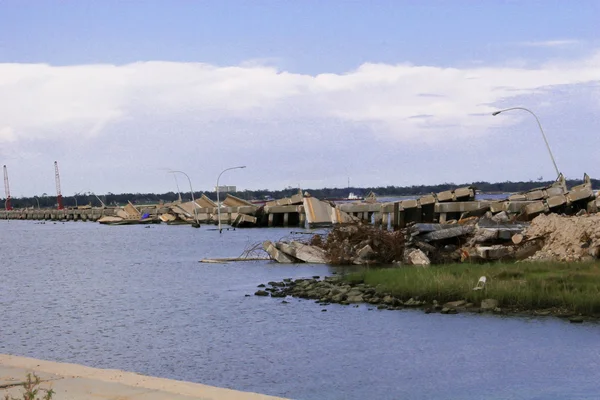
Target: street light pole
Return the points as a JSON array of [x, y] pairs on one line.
[[541, 130], [218, 202], [177, 184], [192, 193], [38, 201]]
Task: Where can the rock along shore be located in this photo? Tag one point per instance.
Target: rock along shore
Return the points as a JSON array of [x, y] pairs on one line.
[[336, 290]]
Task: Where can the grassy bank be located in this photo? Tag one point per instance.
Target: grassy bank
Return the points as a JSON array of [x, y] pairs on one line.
[[526, 286]]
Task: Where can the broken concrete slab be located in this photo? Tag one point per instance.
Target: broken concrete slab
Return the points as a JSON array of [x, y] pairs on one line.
[[108, 219], [517, 197], [535, 195], [593, 206], [421, 227], [132, 212], [580, 193], [464, 193], [501, 217], [279, 209], [454, 231], [496, 252], [242, 220], [445, 196], [277, 255], [286, 201], [364, 255], [556, 201], [303, 252], [535, 208], [460, 206], [416, 257], [318, 213], [427, 199], [205, 202], [121, 214], [233, 201], [167, 217], [340, 217], [411, 203], [485, 235]]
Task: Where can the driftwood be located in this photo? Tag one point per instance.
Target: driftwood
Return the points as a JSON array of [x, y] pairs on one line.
[[231, 259]]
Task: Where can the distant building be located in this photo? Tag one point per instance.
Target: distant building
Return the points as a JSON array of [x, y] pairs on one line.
[[226, 189]]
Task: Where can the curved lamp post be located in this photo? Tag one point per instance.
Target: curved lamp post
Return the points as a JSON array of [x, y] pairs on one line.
[[541, 130], [177, 184], [38, 201], [218, 202], [192, 192]]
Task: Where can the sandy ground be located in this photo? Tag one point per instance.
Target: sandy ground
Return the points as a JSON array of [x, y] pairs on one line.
[[76, 382], [567, 238]]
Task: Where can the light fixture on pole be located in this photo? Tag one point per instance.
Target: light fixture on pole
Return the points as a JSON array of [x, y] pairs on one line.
[[541, 130], [218, 202], [197, 224]]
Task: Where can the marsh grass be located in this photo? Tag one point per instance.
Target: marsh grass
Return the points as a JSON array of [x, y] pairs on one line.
[[529, 286]]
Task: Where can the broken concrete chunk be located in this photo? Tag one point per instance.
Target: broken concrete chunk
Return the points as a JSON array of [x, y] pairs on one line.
[[489, 304], [484, 235], [455, 231], [416, 257], [445, 196], [556, 201], [277, 255], [464, 193], [365, 253], [535, 208], [580, 193], [244, 220], [535, 195], [501, 217], [497, 252], [426, 228], [303, 252]]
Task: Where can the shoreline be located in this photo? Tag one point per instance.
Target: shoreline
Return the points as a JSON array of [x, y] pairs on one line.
[[352, 290], [74, 381]]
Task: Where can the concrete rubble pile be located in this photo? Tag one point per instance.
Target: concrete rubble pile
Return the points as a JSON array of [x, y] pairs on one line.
[[234, 211], [344, 245], [555, 224], [128, 215]]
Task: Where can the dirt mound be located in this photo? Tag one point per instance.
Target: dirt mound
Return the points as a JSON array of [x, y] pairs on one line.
[[566, 238]]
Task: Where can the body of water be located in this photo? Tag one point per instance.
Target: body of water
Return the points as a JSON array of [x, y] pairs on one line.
[[136, 298]]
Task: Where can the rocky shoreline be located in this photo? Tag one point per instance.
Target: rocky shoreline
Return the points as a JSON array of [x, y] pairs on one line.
[[336, 290]]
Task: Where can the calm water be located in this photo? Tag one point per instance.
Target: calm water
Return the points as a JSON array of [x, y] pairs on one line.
[[136, 298]]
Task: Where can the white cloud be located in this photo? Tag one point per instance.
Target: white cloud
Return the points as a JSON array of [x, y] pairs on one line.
[[126, 109], [551, 43]]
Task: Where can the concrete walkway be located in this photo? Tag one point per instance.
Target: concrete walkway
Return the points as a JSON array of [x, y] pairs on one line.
[[77, 382]]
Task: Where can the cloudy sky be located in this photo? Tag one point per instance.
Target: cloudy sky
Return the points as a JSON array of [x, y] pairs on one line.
[[305, 93]]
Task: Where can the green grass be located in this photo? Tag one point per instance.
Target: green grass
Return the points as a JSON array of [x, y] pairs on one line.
[[573, 287]]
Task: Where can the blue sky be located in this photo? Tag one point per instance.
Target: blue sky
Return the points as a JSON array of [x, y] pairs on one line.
[[303, 92], [300, 36]]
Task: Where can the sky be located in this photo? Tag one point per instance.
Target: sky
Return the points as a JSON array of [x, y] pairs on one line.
[[306, 94]]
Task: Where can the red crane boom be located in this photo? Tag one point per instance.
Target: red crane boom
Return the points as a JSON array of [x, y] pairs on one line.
[[59, 199], [7, 205]]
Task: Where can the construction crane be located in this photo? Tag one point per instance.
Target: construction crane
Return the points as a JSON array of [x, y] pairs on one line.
[[59, 199], [7, 205]]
